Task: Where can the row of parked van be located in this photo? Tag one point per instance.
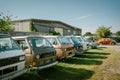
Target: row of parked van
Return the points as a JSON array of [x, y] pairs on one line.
[[35, 52]]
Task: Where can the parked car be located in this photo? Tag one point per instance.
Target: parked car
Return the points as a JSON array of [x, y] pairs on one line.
[[39, 52], [106, 41], [77, 44], [12, 58], [64, 48], [117, 39]]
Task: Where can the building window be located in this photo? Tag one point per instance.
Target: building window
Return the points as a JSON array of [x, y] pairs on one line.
[[74, 32], [68, 30]]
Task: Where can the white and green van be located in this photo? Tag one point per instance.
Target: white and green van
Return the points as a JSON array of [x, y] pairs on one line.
[[12, 58]]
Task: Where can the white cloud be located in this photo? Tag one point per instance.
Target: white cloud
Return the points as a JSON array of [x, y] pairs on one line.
[[81, 17]]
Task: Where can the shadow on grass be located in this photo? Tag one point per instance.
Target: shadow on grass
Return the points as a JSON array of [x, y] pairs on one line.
[[98, 53], [65, 73], [100, 48], [91, 56], [80, 61], [57, 73], [97, 48], [33, 75]]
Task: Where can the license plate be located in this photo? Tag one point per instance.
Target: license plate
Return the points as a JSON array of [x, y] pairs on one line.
[[47, 61]]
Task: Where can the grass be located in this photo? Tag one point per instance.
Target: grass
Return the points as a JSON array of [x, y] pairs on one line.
[[84, 67], [82, 61], [65, 73], [110, 69]]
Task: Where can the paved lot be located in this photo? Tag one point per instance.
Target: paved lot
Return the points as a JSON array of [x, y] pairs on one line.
[[113, 47]]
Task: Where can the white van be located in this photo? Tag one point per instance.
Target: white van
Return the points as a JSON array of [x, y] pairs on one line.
[[12, 58], [86, 45]]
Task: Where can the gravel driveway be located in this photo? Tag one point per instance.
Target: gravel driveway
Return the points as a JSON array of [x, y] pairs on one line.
[[110, 69]]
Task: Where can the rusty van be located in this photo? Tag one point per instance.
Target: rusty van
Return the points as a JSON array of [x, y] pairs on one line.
[[64, 48], [39, 52]]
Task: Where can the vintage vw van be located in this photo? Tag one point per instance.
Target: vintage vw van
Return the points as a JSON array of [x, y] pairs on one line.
[[64, 48], [39, 52], [77, 44], [86, 44], [12, 58]]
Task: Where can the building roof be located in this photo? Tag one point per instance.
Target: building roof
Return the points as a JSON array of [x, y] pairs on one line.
[[47, 21]]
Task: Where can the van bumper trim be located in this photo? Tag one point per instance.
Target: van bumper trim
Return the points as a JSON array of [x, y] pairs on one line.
[[12, 75], [45, 66]]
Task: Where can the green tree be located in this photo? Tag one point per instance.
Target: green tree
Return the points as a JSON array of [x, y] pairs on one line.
[[103, 31], [5, 23], [54, 32], [118, 33], [88, 34], [32, 27]]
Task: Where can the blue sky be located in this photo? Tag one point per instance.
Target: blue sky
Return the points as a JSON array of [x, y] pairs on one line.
[[85, 14]]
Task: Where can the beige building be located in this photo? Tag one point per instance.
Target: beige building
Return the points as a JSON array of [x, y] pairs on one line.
[[45, 26]]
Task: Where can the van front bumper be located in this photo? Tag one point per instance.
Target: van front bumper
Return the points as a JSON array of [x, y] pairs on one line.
[[79, 52], [12, 75], [70, 55], [45, 66]]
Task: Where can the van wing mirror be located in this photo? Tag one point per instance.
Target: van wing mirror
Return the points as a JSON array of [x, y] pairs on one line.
[[22, 46], [54, 43]]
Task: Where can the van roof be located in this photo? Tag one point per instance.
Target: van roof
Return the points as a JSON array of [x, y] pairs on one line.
[[50, 36], [23, 37], [5, 35]]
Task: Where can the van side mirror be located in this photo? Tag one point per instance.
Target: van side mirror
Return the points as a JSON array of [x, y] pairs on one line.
[[54, 43], [23, 47]]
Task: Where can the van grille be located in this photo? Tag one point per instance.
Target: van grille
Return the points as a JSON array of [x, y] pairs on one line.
[[8, 70], [8, 61], [47, 54], [80, 48], [70, 48]]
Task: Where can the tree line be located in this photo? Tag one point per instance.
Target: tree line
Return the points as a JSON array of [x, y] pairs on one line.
[[102, 32]]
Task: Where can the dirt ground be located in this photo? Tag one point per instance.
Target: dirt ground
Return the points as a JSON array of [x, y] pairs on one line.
[[110, 69]]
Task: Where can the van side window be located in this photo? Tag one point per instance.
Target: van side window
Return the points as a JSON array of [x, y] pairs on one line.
[[23, 45], [53, 41]]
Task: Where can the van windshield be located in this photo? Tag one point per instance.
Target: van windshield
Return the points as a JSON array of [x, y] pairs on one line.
[[53, 41], [79, 39], [39, 42], [75, 40], [70, 40], [64, 40], [7, 43]]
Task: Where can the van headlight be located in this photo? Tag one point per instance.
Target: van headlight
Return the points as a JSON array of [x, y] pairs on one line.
[[38, 56], [65, 49], [77, 47], [22, 58]]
